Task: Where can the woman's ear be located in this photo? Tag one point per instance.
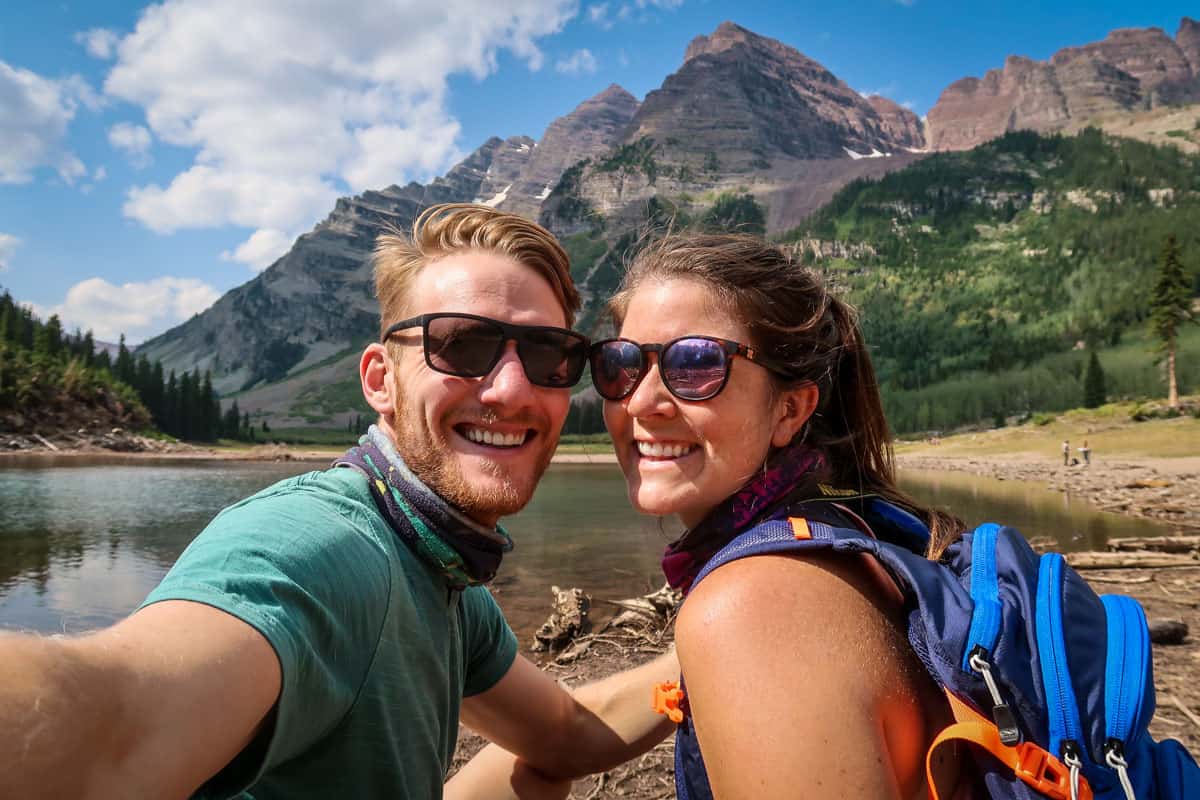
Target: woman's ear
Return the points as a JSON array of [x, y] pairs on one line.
[[375, 374], [794, 407]]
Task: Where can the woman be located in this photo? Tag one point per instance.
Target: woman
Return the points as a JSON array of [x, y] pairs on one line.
[[739, 388]]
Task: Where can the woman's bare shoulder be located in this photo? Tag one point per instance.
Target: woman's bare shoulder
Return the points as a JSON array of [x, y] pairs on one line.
[[824, 604], [811, 646]]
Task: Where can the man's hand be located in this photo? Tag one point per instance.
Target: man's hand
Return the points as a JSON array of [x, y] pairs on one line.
[[569, 734], [151, 707]]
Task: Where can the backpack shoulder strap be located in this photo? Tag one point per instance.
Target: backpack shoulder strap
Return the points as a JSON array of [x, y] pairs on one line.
[[788, 535]]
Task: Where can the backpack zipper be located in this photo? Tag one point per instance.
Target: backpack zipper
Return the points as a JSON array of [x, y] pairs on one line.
[[1127, 672], [985, 626], [1062, 708]]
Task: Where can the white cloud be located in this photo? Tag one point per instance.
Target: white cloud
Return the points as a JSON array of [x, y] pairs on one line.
[[138, 310], [99, 42], [597, 14], [134, 141], [666, 5], [262, 249], [8, 246], [289, 105], [887, 90], [206, 196], [907, 3], [34, 115], [100, 174], [578, 63]]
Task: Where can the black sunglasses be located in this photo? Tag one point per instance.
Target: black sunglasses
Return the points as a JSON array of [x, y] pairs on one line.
[[469, 346], [692, 367]]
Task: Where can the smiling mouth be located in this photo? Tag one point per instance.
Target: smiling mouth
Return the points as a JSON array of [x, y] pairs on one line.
[[663, 451], [497, 439]]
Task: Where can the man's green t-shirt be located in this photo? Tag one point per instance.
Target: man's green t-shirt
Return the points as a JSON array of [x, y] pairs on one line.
[[376, 650]]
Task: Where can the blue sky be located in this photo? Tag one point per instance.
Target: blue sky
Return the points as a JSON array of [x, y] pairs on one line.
[[153, 157]]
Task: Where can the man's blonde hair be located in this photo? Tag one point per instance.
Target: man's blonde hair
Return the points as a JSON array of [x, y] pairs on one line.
[[456, 227]]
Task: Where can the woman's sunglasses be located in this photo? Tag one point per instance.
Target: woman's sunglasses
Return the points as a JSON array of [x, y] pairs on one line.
[[691, 367], [468, 346]]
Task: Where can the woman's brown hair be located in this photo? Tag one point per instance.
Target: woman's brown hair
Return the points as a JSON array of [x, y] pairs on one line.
[[793, 318]]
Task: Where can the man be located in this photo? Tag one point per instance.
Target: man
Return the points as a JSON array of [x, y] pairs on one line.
[[319, 637]]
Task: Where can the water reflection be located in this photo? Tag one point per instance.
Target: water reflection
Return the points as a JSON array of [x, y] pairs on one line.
[[82, 542], [1028, 507]]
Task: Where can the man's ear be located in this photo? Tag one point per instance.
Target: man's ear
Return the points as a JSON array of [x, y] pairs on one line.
[[375, 373], [793, 409]]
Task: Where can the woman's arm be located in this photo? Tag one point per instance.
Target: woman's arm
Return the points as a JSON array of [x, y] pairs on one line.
[[569, 734], [799, 684], [496, 774]]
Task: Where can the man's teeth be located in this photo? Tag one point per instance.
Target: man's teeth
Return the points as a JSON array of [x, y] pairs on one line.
[[660, 450], [480, 436]]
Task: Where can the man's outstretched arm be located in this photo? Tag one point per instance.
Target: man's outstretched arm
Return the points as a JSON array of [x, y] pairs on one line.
[[569, 734], [152, 707]]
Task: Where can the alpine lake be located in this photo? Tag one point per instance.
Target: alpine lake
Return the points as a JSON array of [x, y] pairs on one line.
[[84, 539]]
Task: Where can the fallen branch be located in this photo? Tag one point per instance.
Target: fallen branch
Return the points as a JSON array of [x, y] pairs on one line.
[[45, 441], [1116, 579], [1158, 544], [1187, 712], [1139, 559]]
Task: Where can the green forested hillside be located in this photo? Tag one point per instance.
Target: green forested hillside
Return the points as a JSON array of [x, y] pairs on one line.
[[988, 260]]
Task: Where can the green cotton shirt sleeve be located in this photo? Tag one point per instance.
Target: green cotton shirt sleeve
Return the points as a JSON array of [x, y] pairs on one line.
[[491, 647], [301, 566]]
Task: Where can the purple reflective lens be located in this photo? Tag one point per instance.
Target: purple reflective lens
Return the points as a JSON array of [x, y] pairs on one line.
[[616, 368], [695, 369]]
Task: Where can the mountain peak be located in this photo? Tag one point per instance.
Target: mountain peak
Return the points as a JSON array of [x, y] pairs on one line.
[[727, 35], [614, 92], [1127, 70]]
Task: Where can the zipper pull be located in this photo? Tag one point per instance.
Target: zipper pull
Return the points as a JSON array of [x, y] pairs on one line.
[[1005, 721], [1071, 757], [1114, 756]]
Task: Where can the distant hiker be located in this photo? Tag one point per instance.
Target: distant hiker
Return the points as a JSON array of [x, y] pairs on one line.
[[1087, 453], [320, 638], [1066, 448]]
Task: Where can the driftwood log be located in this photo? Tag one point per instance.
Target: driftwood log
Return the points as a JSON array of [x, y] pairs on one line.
[[568, 619], [1158, 544], [1136, 559]]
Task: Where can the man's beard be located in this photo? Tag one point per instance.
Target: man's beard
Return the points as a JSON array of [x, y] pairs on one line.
[[430, 458]]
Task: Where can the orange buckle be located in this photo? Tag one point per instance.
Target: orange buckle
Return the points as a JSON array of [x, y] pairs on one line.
[[1046, 774], [800, 528], [667, 697]]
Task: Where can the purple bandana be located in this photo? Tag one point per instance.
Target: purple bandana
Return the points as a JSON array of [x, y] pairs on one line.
[[786, 471]]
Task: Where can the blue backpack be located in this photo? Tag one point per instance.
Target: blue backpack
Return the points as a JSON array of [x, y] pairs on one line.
[[1051, 684]]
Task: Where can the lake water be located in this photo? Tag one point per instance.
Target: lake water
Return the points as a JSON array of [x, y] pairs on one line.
[[83, 541]]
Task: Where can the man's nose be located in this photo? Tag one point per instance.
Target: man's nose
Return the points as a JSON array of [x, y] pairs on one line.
[[507, 385]]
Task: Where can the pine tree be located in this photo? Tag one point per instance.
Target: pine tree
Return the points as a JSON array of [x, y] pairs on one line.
[[154, 401], [88, 350], [54, 336], [171, 406], [1094, 392], [8, 318], [231, 428], [1170, 308], [124, 369]]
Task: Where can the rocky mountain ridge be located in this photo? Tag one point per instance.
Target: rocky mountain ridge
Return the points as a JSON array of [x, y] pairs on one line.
[[1130, 70], [743, 115]]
